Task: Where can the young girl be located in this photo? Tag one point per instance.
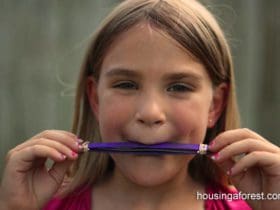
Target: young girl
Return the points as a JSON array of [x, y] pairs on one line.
[[156, 71]]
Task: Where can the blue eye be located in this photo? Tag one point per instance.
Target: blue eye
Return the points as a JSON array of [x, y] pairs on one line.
[[126, 85], [179, 87]]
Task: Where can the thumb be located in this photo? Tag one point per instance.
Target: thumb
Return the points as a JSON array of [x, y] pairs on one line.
[[225, 165], [52, 181], [58, 171]]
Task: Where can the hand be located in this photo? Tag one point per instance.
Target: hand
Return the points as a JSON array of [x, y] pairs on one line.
[[257, 169], [26, 182]]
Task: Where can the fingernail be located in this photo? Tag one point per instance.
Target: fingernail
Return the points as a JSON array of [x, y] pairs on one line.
[[229, 172], [74, 154], [215, 156], [212, 143], [81, 148], [63, 157], [79, 142]]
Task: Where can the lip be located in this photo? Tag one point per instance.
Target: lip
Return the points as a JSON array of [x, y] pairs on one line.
[[146, 141], [150, 143]]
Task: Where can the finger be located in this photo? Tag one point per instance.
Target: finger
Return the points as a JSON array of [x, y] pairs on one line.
[[47, 133], [25, 159], [231, 136], [55, 136], [58, 135], [245, 146], [69, 152], [269, 162]]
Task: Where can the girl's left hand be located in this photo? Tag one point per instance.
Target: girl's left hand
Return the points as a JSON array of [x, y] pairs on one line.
[[257, 169]]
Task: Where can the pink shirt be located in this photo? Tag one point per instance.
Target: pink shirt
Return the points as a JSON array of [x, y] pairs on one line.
[[80, 199]]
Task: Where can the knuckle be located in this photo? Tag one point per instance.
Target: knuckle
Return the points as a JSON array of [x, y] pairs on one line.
[[35, 148], [246, 131], [256, 154], [46, 132], [9, 155], [250, 141], [41, 139]]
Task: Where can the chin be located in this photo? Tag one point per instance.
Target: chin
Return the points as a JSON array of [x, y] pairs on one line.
[[150, 179], [150, 171]]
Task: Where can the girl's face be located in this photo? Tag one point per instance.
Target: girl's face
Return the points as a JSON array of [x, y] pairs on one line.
[[151, 91]]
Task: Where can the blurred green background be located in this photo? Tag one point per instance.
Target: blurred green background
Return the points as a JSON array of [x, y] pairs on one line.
[[43, 42]]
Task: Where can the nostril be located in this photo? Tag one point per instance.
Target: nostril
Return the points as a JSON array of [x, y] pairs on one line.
[[141, 121], [159, 122], [150, 123]]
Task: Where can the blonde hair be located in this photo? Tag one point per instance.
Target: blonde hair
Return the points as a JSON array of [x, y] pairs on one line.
[[196, 31]]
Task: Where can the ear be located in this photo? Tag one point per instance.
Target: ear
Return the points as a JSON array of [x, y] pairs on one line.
[[91, 88], [217, 104]]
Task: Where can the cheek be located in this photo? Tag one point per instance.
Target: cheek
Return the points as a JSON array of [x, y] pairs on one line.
[[113, 115], [191, 120]]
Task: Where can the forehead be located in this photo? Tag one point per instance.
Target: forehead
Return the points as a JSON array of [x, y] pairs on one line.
[[146, 47], [144, 36]]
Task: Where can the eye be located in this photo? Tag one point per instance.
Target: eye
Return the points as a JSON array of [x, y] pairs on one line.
[[179, 87], [126, 85]]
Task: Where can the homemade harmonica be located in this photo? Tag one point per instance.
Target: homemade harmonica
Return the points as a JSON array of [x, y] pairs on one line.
[[144, 149]]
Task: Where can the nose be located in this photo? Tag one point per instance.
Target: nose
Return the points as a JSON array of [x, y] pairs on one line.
[[150, 112]]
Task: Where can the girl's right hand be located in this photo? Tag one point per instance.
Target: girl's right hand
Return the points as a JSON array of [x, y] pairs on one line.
[[26, 182]]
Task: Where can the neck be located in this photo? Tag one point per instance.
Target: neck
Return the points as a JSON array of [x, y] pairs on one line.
[[178, 191]]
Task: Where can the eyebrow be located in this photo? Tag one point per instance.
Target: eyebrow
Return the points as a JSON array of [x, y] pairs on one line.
[[183, 75], [169, 76], [122, 72]]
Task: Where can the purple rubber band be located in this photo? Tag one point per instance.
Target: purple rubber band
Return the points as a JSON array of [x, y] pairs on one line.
[[138, 148]]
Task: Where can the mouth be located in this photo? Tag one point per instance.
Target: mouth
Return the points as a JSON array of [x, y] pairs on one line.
[[146, 142]]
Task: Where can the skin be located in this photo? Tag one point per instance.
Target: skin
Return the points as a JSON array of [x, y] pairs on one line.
[[158, 110]]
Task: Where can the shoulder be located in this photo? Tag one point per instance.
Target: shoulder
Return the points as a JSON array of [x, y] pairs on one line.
[[78, 199], [221, 197]]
